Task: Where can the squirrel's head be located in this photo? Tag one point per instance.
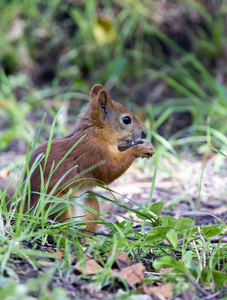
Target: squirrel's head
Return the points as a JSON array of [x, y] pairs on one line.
[[114, 122]]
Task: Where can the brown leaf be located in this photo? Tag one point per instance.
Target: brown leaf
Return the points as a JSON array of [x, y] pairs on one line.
[[133, 274], [158, 292], [91, 267], [59, 254], [4, 173], [219, 210], [123, 260], [165, 270]]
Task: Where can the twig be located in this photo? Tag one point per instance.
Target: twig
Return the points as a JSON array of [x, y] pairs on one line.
[[212, 295], [204, 254], [197, 286], [129, 219], [101, 233]]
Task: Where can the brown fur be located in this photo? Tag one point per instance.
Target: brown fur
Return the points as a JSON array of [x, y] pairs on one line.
[[101, 123]]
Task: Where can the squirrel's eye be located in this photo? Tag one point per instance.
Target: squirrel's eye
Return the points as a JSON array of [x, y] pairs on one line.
[[127, 120]]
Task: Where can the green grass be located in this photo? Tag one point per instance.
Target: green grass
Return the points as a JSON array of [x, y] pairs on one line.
[[113, 49], [176, 244], [201, 260], [125, 52]]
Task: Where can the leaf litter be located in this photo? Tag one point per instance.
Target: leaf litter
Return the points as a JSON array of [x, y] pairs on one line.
[[179, 192]]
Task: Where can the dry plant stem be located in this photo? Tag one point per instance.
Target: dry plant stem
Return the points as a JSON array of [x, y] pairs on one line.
[[197, 252], [204, 254], [100, 233], [128, 219], [212, 296], [10, 219], [30, 262], [197, 286]]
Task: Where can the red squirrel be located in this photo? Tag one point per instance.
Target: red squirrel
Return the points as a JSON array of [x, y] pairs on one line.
[[110, 134]]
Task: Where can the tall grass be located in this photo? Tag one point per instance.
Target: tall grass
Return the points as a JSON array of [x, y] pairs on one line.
[[182, 236], [59, 51], [122, 44]]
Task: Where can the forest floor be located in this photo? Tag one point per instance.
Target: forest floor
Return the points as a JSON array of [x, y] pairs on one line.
[[177, 185]]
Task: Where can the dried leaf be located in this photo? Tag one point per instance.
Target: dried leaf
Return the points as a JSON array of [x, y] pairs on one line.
[[4, 173], [123, 260], [104, 31], [219, 210], [165, 270], [59, 254], [158, 292], [45, 263], [91, 267], [133, 274]]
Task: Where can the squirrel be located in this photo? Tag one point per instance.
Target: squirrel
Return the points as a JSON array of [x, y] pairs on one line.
[[110, 134]]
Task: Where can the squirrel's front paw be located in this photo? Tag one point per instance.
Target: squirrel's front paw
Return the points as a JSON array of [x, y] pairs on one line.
[[144, 149]]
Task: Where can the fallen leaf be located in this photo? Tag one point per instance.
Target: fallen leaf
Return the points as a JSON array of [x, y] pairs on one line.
[[45, 263], [104, 31], [91, 267], [4, 173], [123, 260], [89, 288], [59, 255], [133, 274], [165, 270], [119, 218], [220, 210], [158, 292]]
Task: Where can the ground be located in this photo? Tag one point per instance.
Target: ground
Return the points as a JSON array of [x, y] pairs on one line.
[[177, 184]]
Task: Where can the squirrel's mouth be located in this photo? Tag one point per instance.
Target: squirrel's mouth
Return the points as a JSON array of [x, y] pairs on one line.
[[126, 144]]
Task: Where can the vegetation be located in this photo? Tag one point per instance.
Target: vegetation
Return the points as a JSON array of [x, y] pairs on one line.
[[163, 59]]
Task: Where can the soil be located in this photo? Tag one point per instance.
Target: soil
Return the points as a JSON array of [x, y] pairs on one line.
[[177, 187]]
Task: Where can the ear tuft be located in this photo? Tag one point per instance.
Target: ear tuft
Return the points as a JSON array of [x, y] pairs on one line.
[[103, 98], [95, 90], [105, 103]]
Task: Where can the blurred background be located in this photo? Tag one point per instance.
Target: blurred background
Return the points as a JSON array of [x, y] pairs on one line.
[[165, 60]]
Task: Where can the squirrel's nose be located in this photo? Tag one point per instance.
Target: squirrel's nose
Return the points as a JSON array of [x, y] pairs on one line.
[[144, 134]]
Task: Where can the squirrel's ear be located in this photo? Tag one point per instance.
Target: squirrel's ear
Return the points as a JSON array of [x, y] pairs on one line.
[[105, 103], [95, 91]]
